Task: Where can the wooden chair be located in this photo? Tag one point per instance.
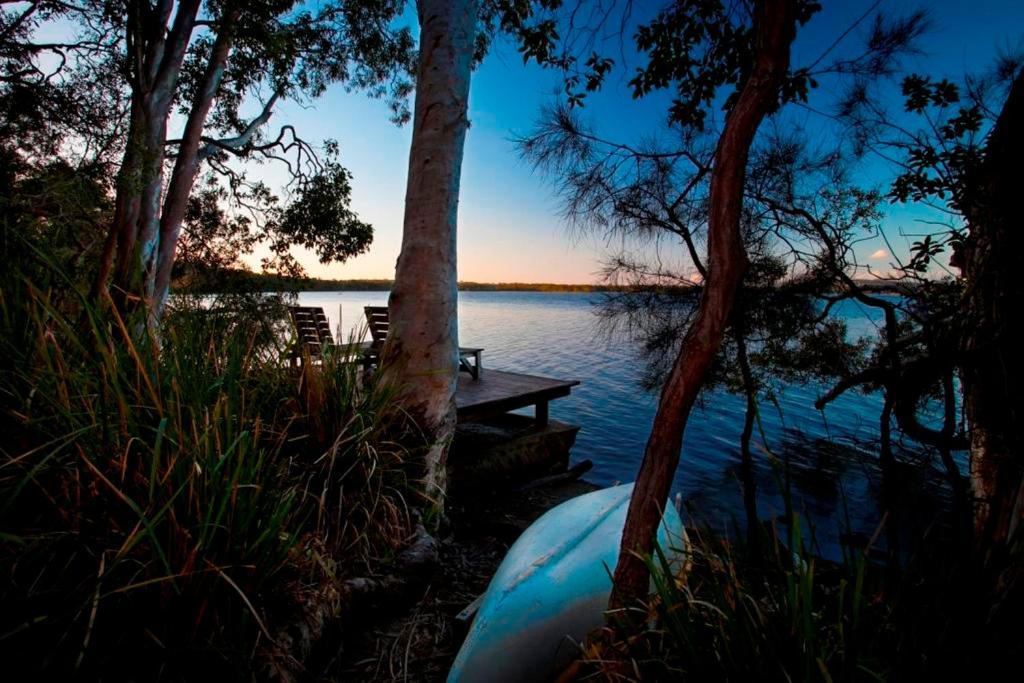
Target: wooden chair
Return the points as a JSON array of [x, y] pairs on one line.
[[313, 333], [377, 319]]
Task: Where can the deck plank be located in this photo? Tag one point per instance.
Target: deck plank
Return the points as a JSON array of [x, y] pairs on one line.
[[499, 391]]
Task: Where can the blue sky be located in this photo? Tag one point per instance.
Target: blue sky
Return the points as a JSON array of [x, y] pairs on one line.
[[509, 223]]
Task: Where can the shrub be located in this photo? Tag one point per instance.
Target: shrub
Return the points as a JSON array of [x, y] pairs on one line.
[[779, 613], [163, 506]]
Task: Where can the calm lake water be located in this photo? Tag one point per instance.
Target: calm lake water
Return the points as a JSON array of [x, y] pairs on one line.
[[556, 334]]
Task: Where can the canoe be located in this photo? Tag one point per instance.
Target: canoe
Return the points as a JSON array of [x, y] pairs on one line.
[[552, 589]]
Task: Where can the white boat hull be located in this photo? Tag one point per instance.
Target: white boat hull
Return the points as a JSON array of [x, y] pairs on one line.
[[552, 589]]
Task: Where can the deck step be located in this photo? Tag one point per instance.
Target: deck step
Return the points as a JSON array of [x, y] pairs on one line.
[[507, 451]]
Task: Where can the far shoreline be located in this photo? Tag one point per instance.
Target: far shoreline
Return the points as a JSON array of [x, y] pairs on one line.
[[233, 280], [316, 285], [241, 280]]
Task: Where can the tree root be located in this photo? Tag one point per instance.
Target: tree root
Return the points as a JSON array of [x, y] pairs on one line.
[[320, 606]]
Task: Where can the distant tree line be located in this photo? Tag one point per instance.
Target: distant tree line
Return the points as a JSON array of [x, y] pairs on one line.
[[229, 280], [233, 279]]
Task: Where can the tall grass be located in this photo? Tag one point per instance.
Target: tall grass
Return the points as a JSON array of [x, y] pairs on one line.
[[163, 507], [776, 612], [785, 617]]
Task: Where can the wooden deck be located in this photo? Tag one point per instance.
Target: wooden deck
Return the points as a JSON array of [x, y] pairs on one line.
[[491, 392], [498, 392]]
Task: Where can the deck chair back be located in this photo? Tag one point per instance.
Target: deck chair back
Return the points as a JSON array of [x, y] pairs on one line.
[[377, 319], [312, 329]]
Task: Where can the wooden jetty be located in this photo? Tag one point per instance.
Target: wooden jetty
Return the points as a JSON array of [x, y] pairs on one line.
[[498, 392], [479, 395], [492, 446], [496, 449]]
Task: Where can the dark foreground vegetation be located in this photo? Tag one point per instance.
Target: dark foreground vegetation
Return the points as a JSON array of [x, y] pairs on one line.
[[170, 513], [179, 512], [771, 609]]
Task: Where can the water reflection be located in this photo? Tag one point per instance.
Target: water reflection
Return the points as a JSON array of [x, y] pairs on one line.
[[827, 456]]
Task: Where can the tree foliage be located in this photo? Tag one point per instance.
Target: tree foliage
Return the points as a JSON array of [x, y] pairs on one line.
[[320, 218], [801, 220], [162, 94]]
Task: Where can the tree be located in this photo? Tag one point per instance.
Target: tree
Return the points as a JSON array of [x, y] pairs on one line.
[[213, 240], [60, 127], [991, 307], [422, 344], [698, 48], [53, 92], [655, 194], [208, 67], [773, 28], [955, 148], [797, 216]]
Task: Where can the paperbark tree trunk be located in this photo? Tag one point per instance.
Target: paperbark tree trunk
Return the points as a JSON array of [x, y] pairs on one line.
[[421, 351], [136, 250], [775, 28], [994, 373], [186, 166], [155, 57]]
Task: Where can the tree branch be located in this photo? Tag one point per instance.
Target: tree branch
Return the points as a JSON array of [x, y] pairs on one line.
[[238, 143]]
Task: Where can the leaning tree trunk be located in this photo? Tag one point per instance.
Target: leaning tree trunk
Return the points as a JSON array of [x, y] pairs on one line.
[[775, 28], [422, 344], [993, 375]]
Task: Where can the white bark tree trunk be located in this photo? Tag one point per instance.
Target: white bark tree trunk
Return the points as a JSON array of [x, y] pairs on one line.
[[186, 166], [155, 58], [422, 346]]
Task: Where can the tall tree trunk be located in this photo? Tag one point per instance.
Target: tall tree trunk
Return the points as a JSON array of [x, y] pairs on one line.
[[186, 166], [422, 344], [775, 28], [155, 55], [136, 257], [994, 373]]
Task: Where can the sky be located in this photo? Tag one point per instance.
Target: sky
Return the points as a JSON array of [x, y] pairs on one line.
[[510, 228]]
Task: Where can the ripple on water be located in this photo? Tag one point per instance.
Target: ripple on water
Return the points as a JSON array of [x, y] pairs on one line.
[[556, 334]]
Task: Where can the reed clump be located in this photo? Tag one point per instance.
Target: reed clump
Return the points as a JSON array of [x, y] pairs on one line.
[[165, 507], [774, 610]]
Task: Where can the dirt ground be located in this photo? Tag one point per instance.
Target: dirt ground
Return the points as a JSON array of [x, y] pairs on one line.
[[420, 643]]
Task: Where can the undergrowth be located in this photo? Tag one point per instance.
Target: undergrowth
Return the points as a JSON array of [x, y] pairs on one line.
[[776, 611], [165, 507]]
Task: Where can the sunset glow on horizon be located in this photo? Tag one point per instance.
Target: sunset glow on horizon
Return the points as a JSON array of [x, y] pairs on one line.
[[510, 223]]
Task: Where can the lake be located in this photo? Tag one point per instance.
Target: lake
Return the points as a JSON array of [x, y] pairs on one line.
[[556, 334]]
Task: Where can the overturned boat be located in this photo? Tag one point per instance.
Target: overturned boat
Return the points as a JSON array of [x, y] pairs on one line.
[[552, 589]]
